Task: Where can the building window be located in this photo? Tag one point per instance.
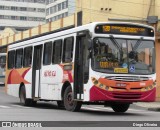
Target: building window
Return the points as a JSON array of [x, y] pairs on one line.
[[23, 9], [7, 8], [6, 17], [68, 49], [1, 7], [54, 8], [59, 7], [11, 59], [14, 17], [23, 18], [51, 10], [41, 10], [1, 16], [64, 4], [65, 14], [57, 48], [19, 58], [14, 8], [59, 16], [27, 57], [47, 53], [47, 2]]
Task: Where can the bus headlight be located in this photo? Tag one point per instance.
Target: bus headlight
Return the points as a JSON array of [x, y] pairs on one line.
[[101, 85], [107, 88], [95, 82]]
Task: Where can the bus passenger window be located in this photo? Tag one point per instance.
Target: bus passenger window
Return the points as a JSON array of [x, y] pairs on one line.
[[57, 48], [47, 53], [11, 59], [27, 61], [19, 58], [68, 49]]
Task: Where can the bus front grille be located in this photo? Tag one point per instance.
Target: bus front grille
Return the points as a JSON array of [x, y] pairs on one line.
[[127, 78], [126, 95]]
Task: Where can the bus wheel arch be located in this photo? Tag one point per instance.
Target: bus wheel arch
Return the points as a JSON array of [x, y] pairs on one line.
[[65, 85], [61, 103], [22, 96], [20, 87]]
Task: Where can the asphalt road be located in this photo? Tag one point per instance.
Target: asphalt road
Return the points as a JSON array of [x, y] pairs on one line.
[[11, 110]]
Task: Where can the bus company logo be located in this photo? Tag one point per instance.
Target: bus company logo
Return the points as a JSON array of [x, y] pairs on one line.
[[49, 73]]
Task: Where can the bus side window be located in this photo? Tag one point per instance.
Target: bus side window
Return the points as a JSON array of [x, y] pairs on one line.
[[47, 53], [11, 59], [57, 49], [27, 61], [19, 58], [68, 49]]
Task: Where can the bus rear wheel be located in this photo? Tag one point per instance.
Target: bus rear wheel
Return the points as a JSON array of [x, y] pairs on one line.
[[120, 107], [69, 103], [23, 100]]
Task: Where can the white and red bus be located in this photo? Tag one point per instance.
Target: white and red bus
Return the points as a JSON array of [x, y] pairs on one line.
[[108, 63]]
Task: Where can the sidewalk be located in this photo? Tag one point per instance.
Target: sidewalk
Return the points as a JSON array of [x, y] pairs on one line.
[[152, 106]]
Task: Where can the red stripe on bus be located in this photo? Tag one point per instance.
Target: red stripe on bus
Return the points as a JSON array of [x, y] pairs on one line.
[[25, 72]]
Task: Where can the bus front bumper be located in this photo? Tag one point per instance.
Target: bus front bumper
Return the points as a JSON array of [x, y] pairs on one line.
[[97, 94]]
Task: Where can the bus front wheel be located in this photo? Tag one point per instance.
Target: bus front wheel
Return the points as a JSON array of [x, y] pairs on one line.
[[23, 100], [120, 107], [69, 103]]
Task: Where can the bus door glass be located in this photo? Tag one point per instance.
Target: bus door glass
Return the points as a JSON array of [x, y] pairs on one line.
[[81, 65], [36, 72]]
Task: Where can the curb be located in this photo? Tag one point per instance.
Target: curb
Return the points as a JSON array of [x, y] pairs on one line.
[[151, 107]]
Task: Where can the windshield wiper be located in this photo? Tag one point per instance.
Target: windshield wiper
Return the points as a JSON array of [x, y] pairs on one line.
[[137, 44], [115, 42], [117, 45]]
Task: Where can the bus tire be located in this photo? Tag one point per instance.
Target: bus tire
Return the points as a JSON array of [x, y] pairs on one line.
[[69, 103], [22, 95], [120, 108]]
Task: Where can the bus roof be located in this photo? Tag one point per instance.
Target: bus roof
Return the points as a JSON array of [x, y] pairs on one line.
[[69, 30]]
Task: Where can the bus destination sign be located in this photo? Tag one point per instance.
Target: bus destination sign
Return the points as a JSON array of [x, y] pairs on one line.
[[122, 29]]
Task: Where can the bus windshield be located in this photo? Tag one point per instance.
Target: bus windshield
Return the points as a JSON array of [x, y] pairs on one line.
[[113, 55]]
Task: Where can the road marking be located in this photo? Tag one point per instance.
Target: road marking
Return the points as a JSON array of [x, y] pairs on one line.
[[1, 106], [20, 106]]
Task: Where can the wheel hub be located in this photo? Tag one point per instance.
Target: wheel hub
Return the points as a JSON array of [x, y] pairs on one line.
[[69, 99]]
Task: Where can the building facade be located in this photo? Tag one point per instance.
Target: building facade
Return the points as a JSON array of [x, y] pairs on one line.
[[57, 9], [21, 14]]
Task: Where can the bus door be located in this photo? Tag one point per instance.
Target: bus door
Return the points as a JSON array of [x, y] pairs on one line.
[[81, 65], [36, 71]]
